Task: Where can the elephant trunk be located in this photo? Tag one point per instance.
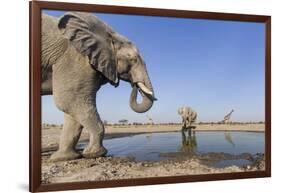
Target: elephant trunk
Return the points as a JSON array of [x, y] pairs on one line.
[[144, 86], [142, 107]]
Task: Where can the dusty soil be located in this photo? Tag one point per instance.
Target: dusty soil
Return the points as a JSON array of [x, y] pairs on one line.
[[113, 168]]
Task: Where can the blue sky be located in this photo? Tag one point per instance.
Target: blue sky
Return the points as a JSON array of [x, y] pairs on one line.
[[211, 66]]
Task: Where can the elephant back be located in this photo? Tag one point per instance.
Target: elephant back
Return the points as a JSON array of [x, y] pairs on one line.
[[49, 25]]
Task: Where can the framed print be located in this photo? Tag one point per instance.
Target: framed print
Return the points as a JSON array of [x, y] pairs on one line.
[[124, 96]]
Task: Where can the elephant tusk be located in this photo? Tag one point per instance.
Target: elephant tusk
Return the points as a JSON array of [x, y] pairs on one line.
[[144, 88]]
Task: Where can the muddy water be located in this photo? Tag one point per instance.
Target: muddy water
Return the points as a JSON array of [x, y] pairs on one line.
[[151, 147]]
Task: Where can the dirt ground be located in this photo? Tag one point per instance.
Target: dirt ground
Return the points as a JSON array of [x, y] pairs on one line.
[[112, 168]]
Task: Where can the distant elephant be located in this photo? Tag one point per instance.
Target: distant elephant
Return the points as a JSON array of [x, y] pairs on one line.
[[189, 117], [79, 54]]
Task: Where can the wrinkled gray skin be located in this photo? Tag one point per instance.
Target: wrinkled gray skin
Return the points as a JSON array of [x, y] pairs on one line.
[[80, 53], [189, 117]]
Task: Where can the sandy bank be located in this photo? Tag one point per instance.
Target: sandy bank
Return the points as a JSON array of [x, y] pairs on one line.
[[114, 168], [177, 127]]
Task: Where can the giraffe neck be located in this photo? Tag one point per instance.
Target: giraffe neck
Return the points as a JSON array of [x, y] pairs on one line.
[[227, 117]]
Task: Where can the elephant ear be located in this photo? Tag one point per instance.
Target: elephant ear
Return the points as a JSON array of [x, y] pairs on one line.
[[89, 36], [180, 111]]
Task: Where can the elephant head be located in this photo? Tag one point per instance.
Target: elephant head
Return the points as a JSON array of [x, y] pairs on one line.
[[109, 53]]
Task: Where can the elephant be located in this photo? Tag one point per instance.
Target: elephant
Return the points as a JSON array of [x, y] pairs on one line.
[[79, 54], [189, 117]]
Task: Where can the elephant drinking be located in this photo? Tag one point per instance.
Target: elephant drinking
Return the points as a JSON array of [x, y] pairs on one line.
[[189, 117]]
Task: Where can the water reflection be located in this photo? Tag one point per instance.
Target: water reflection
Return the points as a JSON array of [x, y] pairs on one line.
[[189, 142], [151, 146], [228, 138]]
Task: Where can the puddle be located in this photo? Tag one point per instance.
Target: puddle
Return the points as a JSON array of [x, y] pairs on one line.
[[236, 162], [150, 147]]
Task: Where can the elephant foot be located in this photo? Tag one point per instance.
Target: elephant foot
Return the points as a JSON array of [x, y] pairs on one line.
[[90, 152], [64, 156]]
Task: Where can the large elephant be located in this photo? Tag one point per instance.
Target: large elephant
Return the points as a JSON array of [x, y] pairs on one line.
[[189, 117], [80, 53]]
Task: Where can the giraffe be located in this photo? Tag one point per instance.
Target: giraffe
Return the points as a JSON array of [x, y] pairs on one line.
[[227, 117]]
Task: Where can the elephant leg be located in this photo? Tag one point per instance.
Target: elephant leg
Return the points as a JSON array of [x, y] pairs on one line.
[[184, 123], [189, 132], [183, 137], [69, 137], [92, 122]]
